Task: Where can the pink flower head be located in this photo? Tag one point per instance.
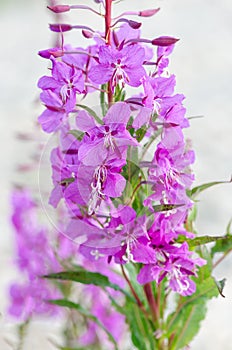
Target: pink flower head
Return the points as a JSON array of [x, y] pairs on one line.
[[119, 66], [66, 81], [108, 141]]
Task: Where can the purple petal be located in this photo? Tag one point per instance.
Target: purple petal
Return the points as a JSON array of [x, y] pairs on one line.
[[84, 121], [142, 118], [135, 75], [118, 113], [92, 154], [107, 55], [148, 273], [100, 74], [46, 82], [114, 185], [133, 55], [51, 120]]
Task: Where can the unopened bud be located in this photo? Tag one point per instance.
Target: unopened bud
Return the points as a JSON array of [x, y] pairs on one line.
[[60, 28], [87, 34], [59, 8], [55, 52], [148, 13], [164, 41], [134, 24]]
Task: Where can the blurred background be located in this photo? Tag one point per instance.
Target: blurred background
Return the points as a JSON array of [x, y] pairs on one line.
[[202, 62]]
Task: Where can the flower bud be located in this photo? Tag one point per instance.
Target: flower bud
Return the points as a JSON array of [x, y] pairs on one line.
[[59, 8], [60, 27], [134, 24], [55, 52], [148, 13], [87, 34], [164, 41]]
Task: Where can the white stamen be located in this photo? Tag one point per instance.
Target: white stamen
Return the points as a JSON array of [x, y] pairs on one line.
[[100, 175], [108, 141], [96, 254]]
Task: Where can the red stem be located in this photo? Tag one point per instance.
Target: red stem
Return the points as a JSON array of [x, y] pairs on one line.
[[151, 302], [108, 17], [139, 302]]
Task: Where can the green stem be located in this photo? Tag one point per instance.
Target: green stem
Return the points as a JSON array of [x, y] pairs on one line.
[[222, 258]]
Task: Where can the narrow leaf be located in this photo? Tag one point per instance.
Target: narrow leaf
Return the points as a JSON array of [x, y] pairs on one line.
[[91, 112], [222, 242], [71, 305], [165, 207], [86, 277], [220, 285], [184, 323], [198, 189], [223, 245], [77, 134]]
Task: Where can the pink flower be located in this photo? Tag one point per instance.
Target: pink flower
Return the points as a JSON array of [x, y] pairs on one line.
[[119, 66]]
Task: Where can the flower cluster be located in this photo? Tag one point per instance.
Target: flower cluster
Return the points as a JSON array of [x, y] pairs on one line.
[[35, 258], [37, 255], [123, 205]]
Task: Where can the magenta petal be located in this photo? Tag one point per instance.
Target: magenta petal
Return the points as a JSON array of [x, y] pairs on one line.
[[55, 196], [114, 185], [46, 82], [133, 56], [106, 55], [148, 273], [100, 74], [135, 75], [78, 228], [118, 113], [50, 120], [143, 254], [142, 118], [84, 121], [92, 154]]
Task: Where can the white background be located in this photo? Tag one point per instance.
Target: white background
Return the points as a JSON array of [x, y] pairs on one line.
[[202, 62]]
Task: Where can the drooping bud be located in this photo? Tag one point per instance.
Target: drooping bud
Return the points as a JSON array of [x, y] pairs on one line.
[[59, 8], [58, 28], [55, 52], [87, 34], [148, 13], [132, 24], [164, 41]]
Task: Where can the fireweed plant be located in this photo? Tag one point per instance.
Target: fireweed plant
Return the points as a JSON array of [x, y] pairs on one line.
[[127, 260]]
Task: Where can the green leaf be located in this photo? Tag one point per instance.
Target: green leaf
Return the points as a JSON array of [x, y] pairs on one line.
[[67, 181], [159, 208], [91, 112], [220, 285], [222, 242], [86, 277], [132, 271], [67, 348], [225, 244], [119, 94], [165, 207], [102, 99], [140, 133], [184, 323], [193, 193], [142, 332], [71, 305], [77, 134]]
